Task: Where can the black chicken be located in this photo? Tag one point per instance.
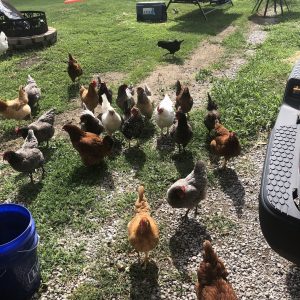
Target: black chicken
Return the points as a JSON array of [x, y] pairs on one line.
[[171, 46]]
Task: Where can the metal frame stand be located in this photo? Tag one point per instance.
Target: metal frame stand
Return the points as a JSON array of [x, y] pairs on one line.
[[259, 2], [197, 2]]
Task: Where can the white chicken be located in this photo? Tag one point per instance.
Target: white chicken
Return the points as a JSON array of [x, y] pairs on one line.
[[111, 120], [3, 43], [33, 92], [164, 114]]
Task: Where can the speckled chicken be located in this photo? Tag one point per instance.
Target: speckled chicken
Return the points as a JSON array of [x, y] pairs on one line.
[[43, 127], [74, 69], [89, 122], [143, 232], [189, 191], [144, 101], [181, 131], [212, 277], [183, 98], [212, 114], [226, 143], [132, 128], [103, 89], [125, 94], [33, 92], [28, 158]]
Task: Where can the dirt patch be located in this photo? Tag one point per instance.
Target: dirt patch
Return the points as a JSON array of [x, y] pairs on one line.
[[114, 78], [294, 58], [29, 61]]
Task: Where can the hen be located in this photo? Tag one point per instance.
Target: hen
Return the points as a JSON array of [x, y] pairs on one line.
[[189, 191], [212, 115], [111, 120], [181, 131], [89, 122], [28, 158], [132, 128], [125, 95], [89, 96], [74, 68], [3, 43], [103, 89], [144, 101], [18, 108], [226, 143], [171, 46], [143, 232], [33, 92], [43, 127], [183, 98], [212, 277], [92, 148], [164, 114]]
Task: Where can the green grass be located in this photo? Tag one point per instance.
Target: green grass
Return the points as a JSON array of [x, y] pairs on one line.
[[105, 37]]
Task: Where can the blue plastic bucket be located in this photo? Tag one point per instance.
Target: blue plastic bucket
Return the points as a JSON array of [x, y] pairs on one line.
[[19, 267]]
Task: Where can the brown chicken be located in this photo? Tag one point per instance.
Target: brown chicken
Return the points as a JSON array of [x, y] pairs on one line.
[[144, 101], [74, 69], [18, 108], [92, 148], [212, 277], [143, 233], [90, 96], [225, 143], [212, 115], [183, 98]]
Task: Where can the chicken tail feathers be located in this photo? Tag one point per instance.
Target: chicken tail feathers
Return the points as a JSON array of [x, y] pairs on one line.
[[141, 191]]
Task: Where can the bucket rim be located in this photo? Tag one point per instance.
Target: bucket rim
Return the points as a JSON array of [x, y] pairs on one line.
[[24, 235]]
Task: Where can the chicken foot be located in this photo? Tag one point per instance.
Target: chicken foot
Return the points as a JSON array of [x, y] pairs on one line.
[[224, 164], [146, 260]]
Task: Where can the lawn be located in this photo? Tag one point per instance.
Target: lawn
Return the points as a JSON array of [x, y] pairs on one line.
[[73, 203]]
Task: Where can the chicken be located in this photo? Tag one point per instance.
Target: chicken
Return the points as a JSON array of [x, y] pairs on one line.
[[3, 43], [28, 158], [143, 232], [125, 95], [181, 131], [212, 277], [74, 69], [111, 120], [92, 148], [89, 96], [171, 46], [189, 191], [43, 127], [225, 143], [212, 114], [132, 128], [33, 92], [164, 114], [103, 89], [89, 122], [144, 101], [18, 108], [183, 98]]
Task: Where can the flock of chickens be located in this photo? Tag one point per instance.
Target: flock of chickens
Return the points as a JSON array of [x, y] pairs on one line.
[[93, 147]]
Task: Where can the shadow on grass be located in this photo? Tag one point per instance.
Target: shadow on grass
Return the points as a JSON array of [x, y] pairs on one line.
[[186, 243], [184, 162], [144, 283], [136, 157], [73, 90], [195, 22], [29, 191], [170, 59], [232, 187], [274, 19], [293, 282], [165, 144], [92, 176], [148, 131]]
